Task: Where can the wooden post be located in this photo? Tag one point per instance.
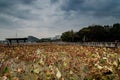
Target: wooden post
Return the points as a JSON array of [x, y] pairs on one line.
[[116, 44]]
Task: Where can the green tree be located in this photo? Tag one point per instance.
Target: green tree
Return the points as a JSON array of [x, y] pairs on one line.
[[68, 36], [96, 33], [115, 32]]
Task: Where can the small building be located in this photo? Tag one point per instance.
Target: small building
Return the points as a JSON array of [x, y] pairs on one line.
[[29, 39], [16, 40]]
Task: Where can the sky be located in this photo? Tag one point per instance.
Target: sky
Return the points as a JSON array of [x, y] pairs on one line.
[[47, 18]]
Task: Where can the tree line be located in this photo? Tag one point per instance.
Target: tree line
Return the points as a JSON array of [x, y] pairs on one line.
[[93, 33]]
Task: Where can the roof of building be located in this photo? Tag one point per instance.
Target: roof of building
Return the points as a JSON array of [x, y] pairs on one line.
[[16, 38]]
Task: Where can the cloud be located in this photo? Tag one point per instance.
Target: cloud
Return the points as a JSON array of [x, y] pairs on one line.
[[45, 18], [98, 8]]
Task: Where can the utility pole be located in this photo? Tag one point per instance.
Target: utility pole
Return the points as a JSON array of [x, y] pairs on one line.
[[16, 34]]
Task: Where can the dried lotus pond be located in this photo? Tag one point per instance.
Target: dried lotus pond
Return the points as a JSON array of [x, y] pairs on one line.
[[59, 62]]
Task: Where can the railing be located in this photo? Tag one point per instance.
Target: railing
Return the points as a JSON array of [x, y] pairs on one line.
[[101, 44], [97, 44]]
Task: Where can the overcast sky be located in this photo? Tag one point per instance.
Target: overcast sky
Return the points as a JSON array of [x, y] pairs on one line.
[[47, 18]]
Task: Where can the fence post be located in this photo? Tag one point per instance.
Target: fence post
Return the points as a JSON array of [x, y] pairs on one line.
[[116, 44]]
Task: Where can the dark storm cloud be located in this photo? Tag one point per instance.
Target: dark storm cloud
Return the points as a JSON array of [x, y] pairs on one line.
[[6, 4], [98, 8], [9, 10], [72, 5], [9, 7], [54, 1]]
